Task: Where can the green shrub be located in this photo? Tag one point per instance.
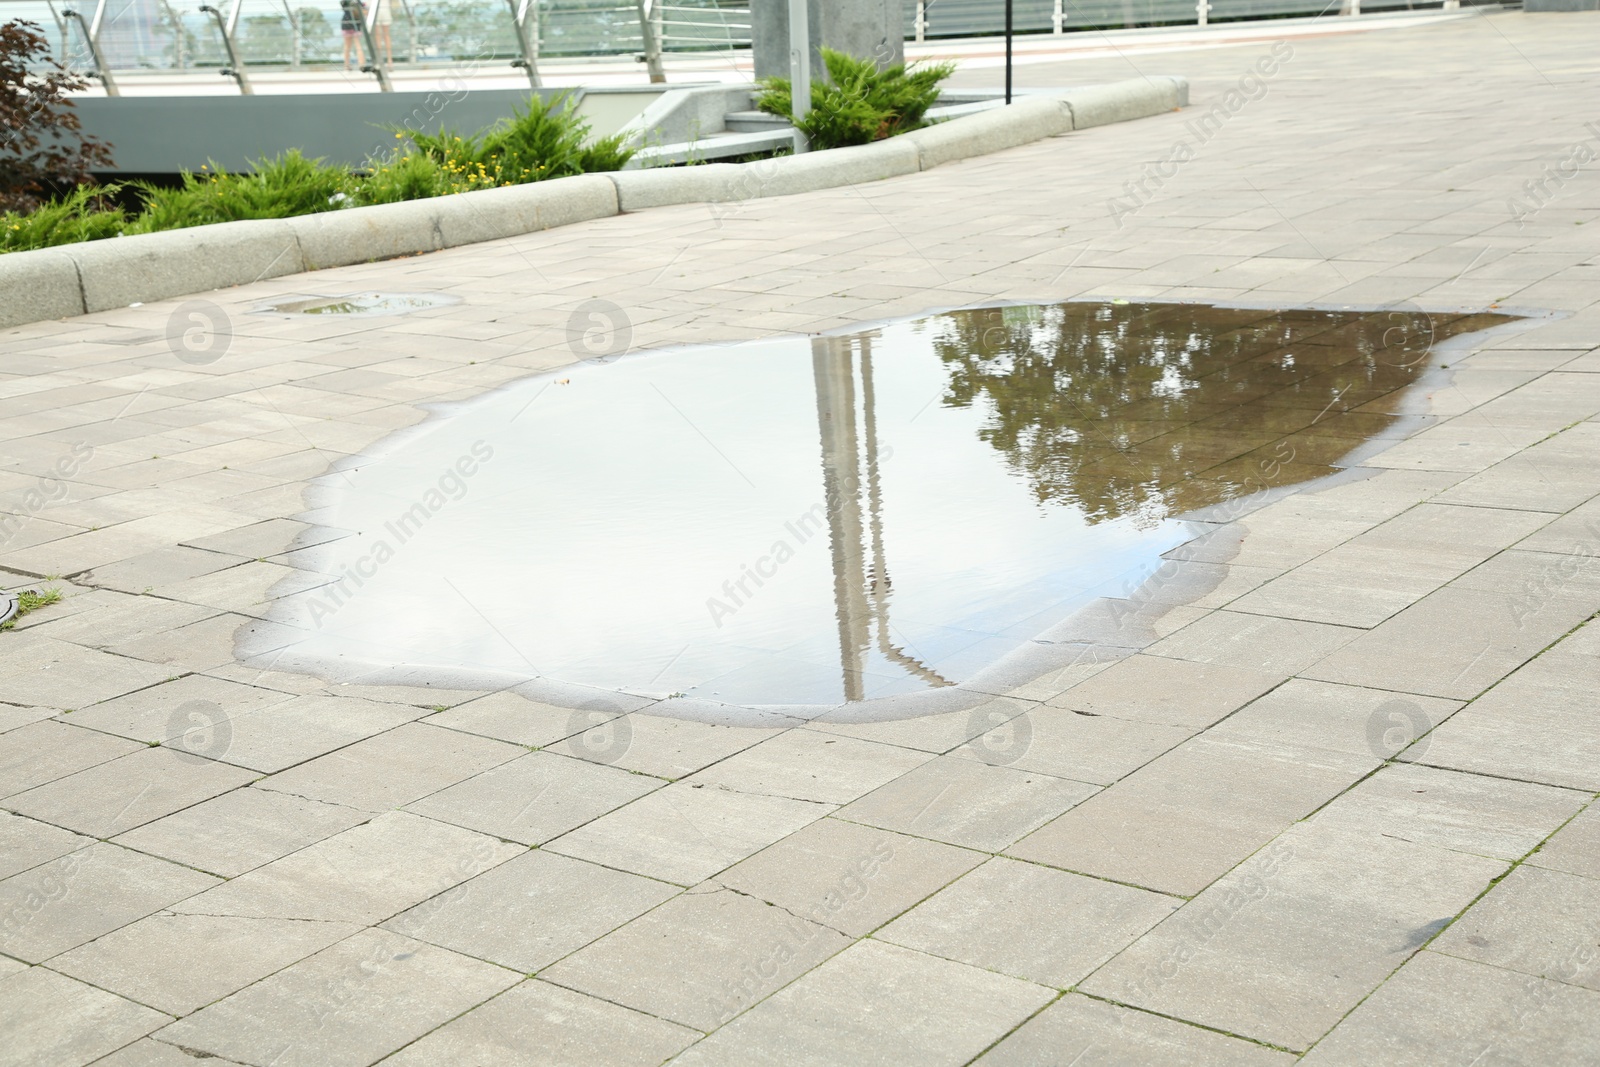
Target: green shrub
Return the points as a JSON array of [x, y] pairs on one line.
[[277, 188], [861, 104], [546, 141], [81, 215]]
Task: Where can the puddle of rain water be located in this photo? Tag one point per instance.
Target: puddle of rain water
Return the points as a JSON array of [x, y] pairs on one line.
[[361, 304], [802, 522]]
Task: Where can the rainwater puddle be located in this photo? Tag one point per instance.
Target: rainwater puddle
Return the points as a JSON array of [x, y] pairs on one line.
[[811, 521], [362, 304]]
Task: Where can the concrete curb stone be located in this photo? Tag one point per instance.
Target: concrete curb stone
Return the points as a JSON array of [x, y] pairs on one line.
[[101, 275]]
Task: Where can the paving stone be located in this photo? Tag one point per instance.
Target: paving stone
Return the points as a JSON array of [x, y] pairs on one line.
[[44, 751], [1455, 642], [1465, 812], [876, 1003], [162, 566], [1438, 1009], [659, 745], [1181, 822], [241, 830], [535, 797], [1085, 746], [850, 877], [52, 1021], [352, 1003], [531, 911], [1279, 949], [65, 902], [700, 958], [1535, 921], [15, 716], [1337, 718], [510, 717], [1175, 692], [1077, 1029], [808, 765], [58, 674], [967, 802], [156, 713], [129, 791], [1575, 848], [1048, 927], [685, 834], [537, 1022], [181, 963], [365, 874], [26, 843], [1255, 643], [1532, 726], [148, 1052], [394, 768], [932, 733]]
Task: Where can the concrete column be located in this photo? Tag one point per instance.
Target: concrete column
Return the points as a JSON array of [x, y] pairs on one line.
[[860, 27]]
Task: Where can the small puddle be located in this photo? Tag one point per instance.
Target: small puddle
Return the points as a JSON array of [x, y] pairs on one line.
[[806, 522], [362, 304]]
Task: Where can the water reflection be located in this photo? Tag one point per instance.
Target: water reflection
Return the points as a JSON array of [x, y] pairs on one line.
[[362, 304], [809, 522]]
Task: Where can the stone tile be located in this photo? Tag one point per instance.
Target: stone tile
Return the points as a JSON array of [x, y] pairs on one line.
[[181, 963], [162, 566], [1464, 812], [1086, 746], [968, 803], [870, 999], [203, 645], [59, 674], [700, 958], [45, 751], [1077, 1029], [1438, 1009], [1575, 848], [535, 797], [394, 768], [1181, 822], [685, 834], [531, 911], [850, 877], [241, 830], [352, 1003], [14, 716], [26, 843], [52, 1021], [65, 902], [808, 765], [1455, 642], [537, 1022], [933, 733], [659, 745], [365, 874], [1532, 726], [148, 1052], [510, 717], [1282, 947], [1336, 718], [1535, 921], [1175, 692], [1254, 643], [135, 789], [158, 713], [1046, 926]]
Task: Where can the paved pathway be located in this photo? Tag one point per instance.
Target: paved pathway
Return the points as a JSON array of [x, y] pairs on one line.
[[1221, 865]]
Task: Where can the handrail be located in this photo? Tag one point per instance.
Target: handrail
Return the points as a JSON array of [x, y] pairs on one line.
[[91, 38], [521, 10], [234, 69], [375, 66]]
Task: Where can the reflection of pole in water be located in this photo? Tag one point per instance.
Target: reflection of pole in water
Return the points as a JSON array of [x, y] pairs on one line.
[[833, 369]]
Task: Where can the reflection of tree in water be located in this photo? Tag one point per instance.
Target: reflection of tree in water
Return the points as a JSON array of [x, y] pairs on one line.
[[1145, 410]]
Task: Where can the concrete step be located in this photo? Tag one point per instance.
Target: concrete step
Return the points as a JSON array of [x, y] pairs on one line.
[[754, 122]]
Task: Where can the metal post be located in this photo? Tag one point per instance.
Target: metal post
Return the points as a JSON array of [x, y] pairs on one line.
[[1058, 18], [294, 35], [91, 39], [1202, 11], [652, 43], [799, 70], [920, 26], [528, 43], [234, 69], [1008, 51], [376, 67], [411, 30], [61, 28]]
